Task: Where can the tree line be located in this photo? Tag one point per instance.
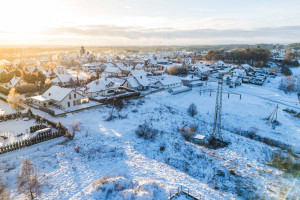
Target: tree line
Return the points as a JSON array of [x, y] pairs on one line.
[[252, 55]]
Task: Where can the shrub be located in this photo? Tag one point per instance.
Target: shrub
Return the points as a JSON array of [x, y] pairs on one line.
[[286, 70], [290, 84], [4, 192], [28, 180], [290, 111], [4, 90], [146, 132], [174, 70], [297, 115], [29, 88], [192, 110], [187, 132]]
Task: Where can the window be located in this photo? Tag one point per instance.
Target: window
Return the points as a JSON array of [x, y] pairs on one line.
[[74, 95], [74, 103], [68, 104], [70, 97]]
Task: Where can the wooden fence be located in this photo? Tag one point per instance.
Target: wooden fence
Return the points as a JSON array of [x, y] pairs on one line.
[[28, 142], [42, 137], [181, 193]]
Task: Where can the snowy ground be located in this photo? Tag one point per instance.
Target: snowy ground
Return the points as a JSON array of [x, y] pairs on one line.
[[13, 128], [5, 108], [111, 155]]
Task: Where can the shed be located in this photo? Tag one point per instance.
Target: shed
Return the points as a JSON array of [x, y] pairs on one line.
[[199, 139]]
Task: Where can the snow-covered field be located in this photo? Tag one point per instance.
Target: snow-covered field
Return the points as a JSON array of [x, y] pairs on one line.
[[113, 163]]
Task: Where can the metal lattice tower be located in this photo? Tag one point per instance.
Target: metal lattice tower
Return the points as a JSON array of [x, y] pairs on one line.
[[218, 110]]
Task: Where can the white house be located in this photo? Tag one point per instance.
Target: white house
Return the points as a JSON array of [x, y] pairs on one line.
[[137, 83], [60, 97], [239, 72], [111, 70], [62, 80], [202, 70], [60, 69], [100, 87], [168, 82]]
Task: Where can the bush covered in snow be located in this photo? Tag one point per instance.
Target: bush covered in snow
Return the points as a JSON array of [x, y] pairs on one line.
[[192, 110], [4, 192], [120, 187], [290, 84], [188, 132], [146, 131]]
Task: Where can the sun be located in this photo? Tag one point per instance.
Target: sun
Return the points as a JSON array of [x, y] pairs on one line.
[[25, 18]]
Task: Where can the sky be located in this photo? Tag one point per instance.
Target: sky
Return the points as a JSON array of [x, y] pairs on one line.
[[148, 22]]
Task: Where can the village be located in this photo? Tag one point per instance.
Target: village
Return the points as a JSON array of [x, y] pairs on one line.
[[63, 106]]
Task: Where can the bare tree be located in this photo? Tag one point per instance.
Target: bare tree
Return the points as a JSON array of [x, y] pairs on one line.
[[192, 110], [28, 183], [74, 128], [4, 192], [14, 99]]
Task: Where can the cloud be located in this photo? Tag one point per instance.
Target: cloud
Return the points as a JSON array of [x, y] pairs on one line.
[[203, 9], [135, 32]]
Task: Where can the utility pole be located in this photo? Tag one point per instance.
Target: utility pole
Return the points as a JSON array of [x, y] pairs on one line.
[[218, 110]]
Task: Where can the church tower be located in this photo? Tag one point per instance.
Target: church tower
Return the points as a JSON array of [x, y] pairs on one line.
[[82, 51]]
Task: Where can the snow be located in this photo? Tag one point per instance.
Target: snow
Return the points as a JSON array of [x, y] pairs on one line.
[[5, 108], [111, 149]]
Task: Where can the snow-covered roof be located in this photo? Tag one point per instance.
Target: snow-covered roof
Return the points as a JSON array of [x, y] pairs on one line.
[[62, 78], [111, 69], [203, 68], [139, 66], [138, 73], [3, 70], [133, 82], [219, 63], [170, 80], [246, 66], [100, 85], [13, 82], [199, 137], [56, 93], [143, 81], [238, 71]]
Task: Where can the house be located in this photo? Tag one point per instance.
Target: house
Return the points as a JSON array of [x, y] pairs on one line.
[[60, 69], [238, 72], [191, 81], [233, 81], [59, 97], [202, 70], [16, 82], [137, 83], [62, 80], [111, 70], [168, 82], [220, 63], [137, 73], [247, 67], [100, 87]]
